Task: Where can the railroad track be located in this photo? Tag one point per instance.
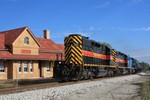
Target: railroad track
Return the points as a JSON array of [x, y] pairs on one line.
[[46, 85]]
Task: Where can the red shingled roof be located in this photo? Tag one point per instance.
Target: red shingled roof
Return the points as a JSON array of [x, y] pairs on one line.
[[12, 35], [48, 45], [2, 40], [61, 46]]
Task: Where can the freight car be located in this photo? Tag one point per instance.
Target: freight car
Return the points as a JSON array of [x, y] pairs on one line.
[[86, 58]]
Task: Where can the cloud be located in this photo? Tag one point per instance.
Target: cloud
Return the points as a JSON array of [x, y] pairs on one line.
[[87, 34], [8, 0], [104, 5], [77, 27], [85, 31], [136, 1], [52, 37], [109, 2], [91, 28], [129, 29], [141, 54], [141, 29], [144, 59]]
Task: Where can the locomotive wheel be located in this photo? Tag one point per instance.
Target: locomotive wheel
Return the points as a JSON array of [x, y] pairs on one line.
[[78, 77], [112, 73], [91, 76], [108, 73]]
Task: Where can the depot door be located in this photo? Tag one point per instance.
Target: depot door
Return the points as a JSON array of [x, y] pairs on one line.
[[40, 69]]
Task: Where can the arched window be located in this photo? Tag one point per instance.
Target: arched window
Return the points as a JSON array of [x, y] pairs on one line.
[[26, 40]]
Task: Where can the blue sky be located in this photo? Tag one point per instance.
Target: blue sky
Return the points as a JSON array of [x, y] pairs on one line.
[[125, 24]]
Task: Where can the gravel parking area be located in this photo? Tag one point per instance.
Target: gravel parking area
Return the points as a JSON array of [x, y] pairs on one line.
[[119, 88]]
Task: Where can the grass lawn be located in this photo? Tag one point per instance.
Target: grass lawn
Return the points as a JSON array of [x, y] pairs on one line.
[[145, 91]]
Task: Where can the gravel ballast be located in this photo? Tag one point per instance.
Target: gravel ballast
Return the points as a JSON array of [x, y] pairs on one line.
[[119, 88]]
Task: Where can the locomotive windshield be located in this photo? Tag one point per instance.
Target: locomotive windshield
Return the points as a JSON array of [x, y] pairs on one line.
[[71, 43]]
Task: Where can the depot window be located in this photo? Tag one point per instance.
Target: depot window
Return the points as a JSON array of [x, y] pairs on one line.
[[25, 66], [2, 68], [48, 67]]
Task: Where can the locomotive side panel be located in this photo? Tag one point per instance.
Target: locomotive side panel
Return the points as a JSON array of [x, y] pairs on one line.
[[95, 54], [121, 60]]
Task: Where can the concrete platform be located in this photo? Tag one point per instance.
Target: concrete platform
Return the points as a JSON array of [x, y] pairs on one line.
[[20, 82]]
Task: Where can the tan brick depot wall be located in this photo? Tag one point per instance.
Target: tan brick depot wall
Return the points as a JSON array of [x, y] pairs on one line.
[[25, 75], [18, 47], [46, 73]]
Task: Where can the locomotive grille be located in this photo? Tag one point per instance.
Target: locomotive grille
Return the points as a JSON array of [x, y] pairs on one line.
[[73, 49]]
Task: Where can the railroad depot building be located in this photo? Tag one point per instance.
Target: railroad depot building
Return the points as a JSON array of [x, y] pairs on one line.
[[23, 56]]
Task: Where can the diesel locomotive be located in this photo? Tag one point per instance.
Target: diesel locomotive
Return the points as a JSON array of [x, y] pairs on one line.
[[134, 65], [86, 58]]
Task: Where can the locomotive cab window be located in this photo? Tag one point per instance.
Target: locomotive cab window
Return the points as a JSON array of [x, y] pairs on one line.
[[76, 44], [72, 44], [85, 47], [68, 45]]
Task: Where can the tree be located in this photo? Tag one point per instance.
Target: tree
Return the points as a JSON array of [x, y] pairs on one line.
[[145, 66]]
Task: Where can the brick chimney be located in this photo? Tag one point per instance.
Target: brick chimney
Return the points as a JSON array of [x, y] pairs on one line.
[[46, 34]]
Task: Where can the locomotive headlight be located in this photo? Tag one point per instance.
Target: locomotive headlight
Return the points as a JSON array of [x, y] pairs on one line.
[[59, 62], [70, 62]]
